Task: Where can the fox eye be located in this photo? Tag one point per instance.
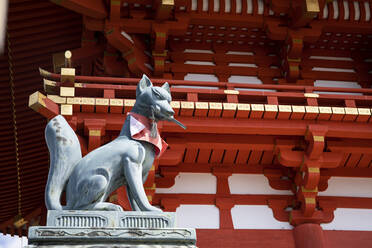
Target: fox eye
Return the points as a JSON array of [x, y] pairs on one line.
[[157, 94]]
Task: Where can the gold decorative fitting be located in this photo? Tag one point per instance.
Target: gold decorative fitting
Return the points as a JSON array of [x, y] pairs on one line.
[[95, 133], [285, 108], [298, 60], [229, 106], [313, 170], [36, 101], [338, 110], [57, 99], [244, 106], [129, 102], [298, 109], [257, 107], [74, 100], [78, 85], [102, 101], [309, 200], [231, 92], [159, 62], [201, 105], [351, 111], [303, 189], [271, 108], [67, 75], [312, 95], [163, 54], [153, 187], [161, 34], [20, 222], [312, 6], [68, 56], [364, 111], [87, 101], [67, 91], [312, 109], [116, 102], [325, 110], [293, 68], [149, 197], [66, 109], [167, 2], [175, 104], [49, 86], [318, 138], [187, 105], [215, 105]]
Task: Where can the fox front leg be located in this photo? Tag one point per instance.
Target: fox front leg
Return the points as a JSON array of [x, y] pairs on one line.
[[132, 202], [133, 176]]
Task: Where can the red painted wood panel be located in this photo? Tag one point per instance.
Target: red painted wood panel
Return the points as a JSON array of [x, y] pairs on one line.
[[244, 238]]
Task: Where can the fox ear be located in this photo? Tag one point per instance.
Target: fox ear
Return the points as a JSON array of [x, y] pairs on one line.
[[143, 84], [166, 87]]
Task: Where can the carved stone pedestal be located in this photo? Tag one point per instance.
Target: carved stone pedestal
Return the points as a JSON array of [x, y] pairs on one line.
[[88, 229]]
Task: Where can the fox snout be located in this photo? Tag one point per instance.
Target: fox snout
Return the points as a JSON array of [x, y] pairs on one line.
[[164, 109]]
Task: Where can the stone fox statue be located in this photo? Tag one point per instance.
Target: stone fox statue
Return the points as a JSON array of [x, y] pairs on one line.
[[89, 180]]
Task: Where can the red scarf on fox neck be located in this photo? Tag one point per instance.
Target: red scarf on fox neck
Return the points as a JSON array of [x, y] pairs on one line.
[[140, 129]]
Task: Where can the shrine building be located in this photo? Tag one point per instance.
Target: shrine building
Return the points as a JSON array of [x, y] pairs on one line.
[[276, 96]]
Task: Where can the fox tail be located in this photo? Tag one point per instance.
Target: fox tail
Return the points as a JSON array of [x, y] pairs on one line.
[[65, 153]]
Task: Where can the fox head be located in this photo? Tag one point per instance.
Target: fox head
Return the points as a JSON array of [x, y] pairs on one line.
[[154, 102]]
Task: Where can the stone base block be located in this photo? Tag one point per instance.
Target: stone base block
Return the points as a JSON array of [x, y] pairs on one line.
[[95, 229]]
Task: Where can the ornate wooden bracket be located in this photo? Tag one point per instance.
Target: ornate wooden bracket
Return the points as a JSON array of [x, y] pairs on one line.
[[306, 166]]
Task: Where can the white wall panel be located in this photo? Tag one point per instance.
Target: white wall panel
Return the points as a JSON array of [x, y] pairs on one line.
[[244, 79], [253, 184], [200, 183], [256, 217], [337, 84], [201, 77], [348, 186], [198, 216], [351, 219]]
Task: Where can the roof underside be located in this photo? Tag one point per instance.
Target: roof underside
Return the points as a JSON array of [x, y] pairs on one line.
[[36, 29]]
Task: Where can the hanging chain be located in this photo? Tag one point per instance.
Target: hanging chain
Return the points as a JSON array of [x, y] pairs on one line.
[[11, 81]]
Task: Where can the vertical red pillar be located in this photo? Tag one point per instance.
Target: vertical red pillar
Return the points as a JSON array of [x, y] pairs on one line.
[[309, 235], [225, 205], [224, 202]]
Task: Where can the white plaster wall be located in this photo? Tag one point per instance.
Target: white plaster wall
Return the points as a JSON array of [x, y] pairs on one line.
[[350, 219], [200, 77], [253, 184], [255, 217], [198, 216], [349, 186], [198, 183], [244, 79], [337, 84]]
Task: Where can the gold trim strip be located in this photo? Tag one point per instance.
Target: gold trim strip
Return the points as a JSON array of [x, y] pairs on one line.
[[313, 170]]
